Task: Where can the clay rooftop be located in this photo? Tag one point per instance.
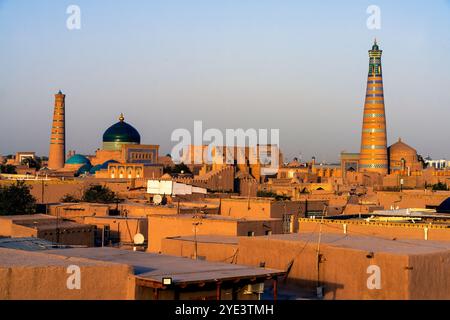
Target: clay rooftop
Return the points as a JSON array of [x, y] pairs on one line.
[[11, 258], [363, 243], [27, 244], [216, 217], [208, 239], [155, 267]]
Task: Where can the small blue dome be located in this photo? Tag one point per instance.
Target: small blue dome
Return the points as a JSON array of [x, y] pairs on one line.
[[84, 169], [78, 159], [94, 169], [105, 164]]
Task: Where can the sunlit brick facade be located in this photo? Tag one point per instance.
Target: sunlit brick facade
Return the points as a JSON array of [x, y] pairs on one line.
[[57, 151], [374, 155]]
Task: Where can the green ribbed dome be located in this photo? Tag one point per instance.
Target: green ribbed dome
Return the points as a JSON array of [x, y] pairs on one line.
[[122, 132]]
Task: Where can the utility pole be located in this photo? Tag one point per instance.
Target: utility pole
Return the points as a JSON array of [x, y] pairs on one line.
[[196, 224], [319, 287], [42, 191], [248, 195], [57, 224], [103, 236]]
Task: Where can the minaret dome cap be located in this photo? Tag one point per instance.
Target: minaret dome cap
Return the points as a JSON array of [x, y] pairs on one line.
[[375, 46]]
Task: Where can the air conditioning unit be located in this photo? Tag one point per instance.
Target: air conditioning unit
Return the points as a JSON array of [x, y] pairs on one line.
[[254, 288]]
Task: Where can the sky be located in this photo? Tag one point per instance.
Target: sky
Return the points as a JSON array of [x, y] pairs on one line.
[[297, 66]]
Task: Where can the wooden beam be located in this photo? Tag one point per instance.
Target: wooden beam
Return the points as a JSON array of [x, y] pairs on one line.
[[149, 284], [218, 290], [275, 289]]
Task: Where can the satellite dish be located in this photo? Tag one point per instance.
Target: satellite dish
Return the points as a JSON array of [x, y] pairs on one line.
[[157, 199], [138, 238]]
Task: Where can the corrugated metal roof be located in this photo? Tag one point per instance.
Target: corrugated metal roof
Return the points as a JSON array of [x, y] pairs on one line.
[[154, 267], [29, 244]]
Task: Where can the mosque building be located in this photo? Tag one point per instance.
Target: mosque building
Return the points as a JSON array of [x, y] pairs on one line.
[[403, 159], [122, 155], [375, 157]]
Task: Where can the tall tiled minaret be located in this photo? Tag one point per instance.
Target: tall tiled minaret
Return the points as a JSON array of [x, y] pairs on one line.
[[373, 156], [57, 153]]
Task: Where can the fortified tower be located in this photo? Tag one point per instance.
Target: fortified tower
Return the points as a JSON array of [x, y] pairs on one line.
[[57, 153], [374, 155]]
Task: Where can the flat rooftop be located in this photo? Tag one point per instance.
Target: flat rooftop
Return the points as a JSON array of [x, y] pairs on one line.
[[208, 239], [118, 217], [53, 225], [364, 243], [43, 222], [27, 244], [181, 205], [213, 217], [155, 267], [19, 258], [397, 216], [28, 217], [414, 213], [78, 204], [251, 200]]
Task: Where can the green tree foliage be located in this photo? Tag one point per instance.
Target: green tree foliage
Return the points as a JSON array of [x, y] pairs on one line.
[[422, 161], [178, 168], [440, 187], [68, 198], [32, 163], [100, 194], [269, 194], [8, 169], [16, 199]]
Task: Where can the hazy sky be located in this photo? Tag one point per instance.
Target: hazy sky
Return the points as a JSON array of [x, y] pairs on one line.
[[297, 66]]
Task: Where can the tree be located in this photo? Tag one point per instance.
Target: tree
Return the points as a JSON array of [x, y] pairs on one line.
[[422, 161], [8, 169], [440, 187], [270, 194], [100, 194], [68, 198], [32, 163], [16, 199], [178, 168]]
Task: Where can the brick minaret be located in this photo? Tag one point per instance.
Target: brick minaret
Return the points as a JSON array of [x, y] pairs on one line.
[[56, 156], [374, 157]]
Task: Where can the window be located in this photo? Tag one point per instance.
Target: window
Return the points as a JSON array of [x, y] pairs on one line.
[[287, 223]]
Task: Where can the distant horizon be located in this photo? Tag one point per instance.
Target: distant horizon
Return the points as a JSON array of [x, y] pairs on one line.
[[297, 67]]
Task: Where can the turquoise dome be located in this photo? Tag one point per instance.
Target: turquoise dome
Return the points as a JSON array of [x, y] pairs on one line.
[[78, 159], [122, 132]]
